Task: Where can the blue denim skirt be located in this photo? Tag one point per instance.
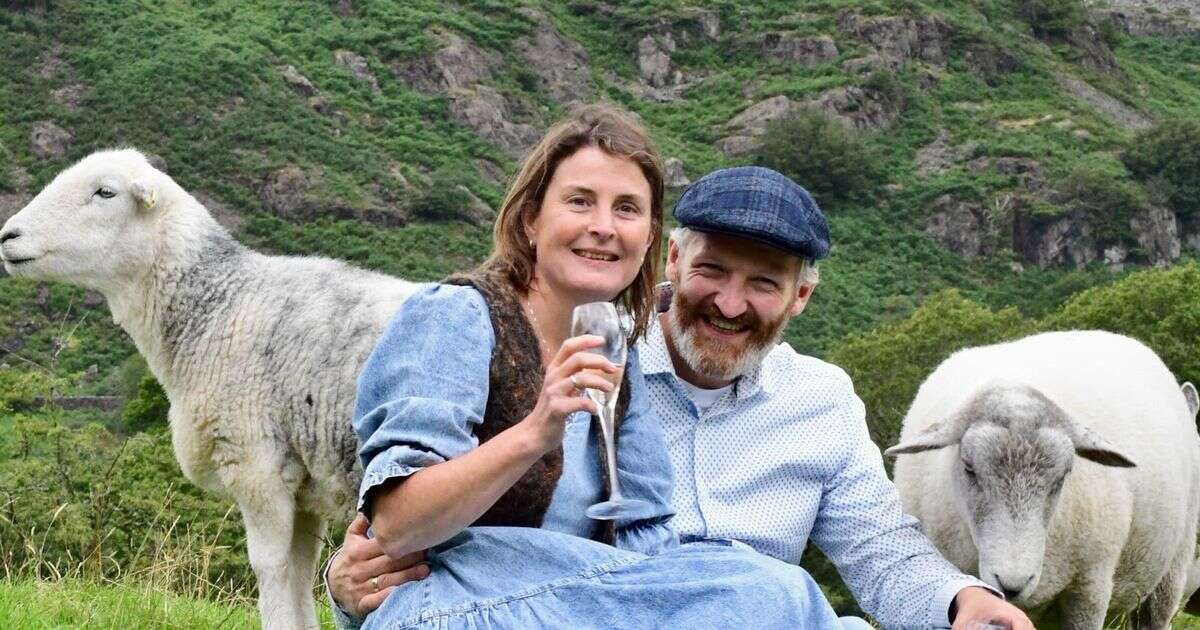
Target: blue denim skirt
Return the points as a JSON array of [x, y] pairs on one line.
[[509, 577]]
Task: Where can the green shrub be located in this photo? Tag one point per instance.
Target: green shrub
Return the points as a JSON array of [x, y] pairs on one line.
[[888, 364], [1108, 197], [1167, 156], [1051, 18], [447, 198], [1160, 307], [148, 408], [837, 165]]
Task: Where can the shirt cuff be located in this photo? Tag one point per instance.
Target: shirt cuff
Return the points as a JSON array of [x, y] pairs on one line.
[[399, 460], [343, 619], [939, 610]]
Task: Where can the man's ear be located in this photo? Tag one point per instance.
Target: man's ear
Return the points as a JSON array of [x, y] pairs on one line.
[[803, 292], [672, 269], [144, 193]]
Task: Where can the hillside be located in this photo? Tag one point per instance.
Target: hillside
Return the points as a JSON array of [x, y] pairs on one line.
[[1000, 138]]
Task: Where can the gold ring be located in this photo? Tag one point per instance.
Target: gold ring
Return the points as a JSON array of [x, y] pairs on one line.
[[375, 584], [575, 383]]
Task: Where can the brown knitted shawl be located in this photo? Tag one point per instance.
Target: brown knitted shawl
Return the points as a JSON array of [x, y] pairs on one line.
[[515, 382]]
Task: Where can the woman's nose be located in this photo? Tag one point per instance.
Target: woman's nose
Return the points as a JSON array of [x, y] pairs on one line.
[[602, 224]]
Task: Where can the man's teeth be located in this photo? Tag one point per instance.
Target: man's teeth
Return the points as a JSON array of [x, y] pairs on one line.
[[725, 327], [595, 256]]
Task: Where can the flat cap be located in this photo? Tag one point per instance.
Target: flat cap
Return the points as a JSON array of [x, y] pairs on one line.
[[759, 204]]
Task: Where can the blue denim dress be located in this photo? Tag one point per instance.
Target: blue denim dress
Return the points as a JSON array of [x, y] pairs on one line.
[[422, 392]]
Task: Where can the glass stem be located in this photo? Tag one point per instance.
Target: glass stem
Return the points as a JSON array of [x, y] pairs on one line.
[[610, 452]]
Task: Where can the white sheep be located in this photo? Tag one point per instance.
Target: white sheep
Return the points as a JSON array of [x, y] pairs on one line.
[[259, 355], [994, 479]]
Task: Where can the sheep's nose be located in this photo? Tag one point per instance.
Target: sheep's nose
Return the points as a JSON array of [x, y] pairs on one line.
[[1012, 587], [9, 235]]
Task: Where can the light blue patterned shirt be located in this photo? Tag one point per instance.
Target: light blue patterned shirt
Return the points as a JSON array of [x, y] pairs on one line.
[[785, 456]]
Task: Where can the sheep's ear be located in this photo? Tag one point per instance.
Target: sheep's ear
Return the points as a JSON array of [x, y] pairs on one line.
[[939, 435], [1192, 398], [1089, 445], [145, 194]]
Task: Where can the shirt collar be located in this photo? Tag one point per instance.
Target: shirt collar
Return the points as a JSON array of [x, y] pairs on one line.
[[656, 359]]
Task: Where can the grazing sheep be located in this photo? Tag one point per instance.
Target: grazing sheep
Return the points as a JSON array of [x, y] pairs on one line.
[[1063, 468], [259, 355]]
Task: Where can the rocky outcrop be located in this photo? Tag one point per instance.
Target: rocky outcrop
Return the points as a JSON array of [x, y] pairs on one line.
[[1094, 52], [940, 155], [68, 95], [804, 51], [486, 111], [1125, 115], [358, 66], [294, 193], [1141, 23], [654, 60], [49, 141], [1157, 232], [961, 227], [1190, 232], [857, 107], [561, 65], [1054, 241], [898, 38], [673, 175], [457, 63], [344, 8], [305, 89], [703, 22], [990, 62]]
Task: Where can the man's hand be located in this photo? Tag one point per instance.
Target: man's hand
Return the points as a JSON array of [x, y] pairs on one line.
[[979, 605], [361, 576]]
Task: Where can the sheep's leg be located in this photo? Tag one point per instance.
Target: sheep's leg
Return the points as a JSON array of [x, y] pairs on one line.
[[1084, 606], [269, 525], [306, 550], [1157, 610]]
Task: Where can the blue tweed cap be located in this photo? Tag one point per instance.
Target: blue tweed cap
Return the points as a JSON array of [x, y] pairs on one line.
[[756, 203]]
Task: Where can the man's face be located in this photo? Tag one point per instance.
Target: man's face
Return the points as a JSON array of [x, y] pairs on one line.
[[732, 299]]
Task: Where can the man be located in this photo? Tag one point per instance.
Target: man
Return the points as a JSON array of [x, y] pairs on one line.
[[769, 447]]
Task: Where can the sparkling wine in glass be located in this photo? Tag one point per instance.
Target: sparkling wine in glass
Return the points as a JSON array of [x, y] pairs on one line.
[[601, 319]]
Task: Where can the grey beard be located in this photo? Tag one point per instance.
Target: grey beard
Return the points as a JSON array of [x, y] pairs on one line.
[[724, 369]]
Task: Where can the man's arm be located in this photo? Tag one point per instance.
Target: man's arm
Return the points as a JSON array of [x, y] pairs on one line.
[[360, 576], [895, 573]]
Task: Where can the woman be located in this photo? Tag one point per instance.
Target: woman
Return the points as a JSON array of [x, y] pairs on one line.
[[477, 444]]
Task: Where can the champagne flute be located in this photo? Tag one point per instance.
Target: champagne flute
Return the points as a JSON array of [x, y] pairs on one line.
[[601, 319]]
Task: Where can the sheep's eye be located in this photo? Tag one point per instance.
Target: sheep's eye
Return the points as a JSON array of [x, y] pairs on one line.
[[967, 469], [106, 193]]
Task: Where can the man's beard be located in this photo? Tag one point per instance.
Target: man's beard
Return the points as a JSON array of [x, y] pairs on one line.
[[716, 358]]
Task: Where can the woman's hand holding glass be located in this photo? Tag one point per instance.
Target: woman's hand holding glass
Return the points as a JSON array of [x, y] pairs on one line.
[[574, 368]]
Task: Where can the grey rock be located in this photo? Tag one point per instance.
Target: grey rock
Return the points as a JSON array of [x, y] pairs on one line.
[[1157, 232], [345, 8], [654, 59], [940, 155], [738, 145], [1141, 23], [989, 61], [674, 177], [476, 211], [1125, 115], [50, 63], [899, 38], [358, 66], [47, 140], [1190, 232], [960, 227], [562, 65], [754, 119], [158, 162], [1095, 53], [805, 51], [1115, 257], [486, 111], [857, 108], [865, 64], [93, 298], [68, 95], [293, 193], [1054, 241], [11, 344], [491, 172], [297, 82], [228, 218], [458, 63], [709, 23]]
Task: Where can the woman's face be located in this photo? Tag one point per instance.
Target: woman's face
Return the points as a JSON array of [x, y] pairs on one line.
[[593, 229]]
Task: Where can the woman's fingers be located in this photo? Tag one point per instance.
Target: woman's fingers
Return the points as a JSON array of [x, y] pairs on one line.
[[578, 362], [387, 582], [574, 345]]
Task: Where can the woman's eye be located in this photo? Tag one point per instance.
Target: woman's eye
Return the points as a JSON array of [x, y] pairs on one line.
[[627, 209], [106, 193], [577, 201]]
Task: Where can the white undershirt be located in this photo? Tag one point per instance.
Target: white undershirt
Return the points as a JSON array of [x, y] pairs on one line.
[[704, 398]]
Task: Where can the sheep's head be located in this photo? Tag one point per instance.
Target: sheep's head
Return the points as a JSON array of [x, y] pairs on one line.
[[91, 226], [1015, 450]]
